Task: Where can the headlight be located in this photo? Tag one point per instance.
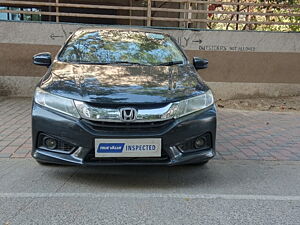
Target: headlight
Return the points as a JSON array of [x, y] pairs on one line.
[[57, 103], [193, 104]]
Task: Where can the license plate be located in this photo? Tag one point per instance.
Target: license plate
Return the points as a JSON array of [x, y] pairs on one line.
[[146, 147]]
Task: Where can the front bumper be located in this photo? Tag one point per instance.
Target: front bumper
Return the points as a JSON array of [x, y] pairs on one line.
[[82, 135]]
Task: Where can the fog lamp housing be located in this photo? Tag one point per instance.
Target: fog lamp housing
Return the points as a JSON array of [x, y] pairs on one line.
[[199, 143], [53, 144], [50, 143]]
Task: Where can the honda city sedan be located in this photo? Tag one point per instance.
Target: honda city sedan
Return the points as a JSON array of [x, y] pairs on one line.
[[115, 96]]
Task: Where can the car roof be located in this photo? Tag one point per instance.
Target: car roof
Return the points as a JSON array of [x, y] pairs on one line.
[[134, 29]]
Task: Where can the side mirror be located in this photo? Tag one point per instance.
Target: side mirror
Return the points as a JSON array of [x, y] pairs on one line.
[[200, 63], [42, 59]]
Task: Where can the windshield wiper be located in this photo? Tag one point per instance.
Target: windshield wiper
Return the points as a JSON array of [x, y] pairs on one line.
[[107, 63], [171, 63], [125, 62], [91, 63]]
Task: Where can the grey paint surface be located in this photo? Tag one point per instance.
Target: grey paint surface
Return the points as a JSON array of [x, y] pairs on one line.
[[222, 192], [24, 86]]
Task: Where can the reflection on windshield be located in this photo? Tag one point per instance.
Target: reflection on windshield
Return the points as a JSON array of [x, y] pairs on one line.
[[116, 46]]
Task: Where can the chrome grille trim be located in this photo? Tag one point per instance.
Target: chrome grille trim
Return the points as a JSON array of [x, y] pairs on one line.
[[170, 111], [114, 115]]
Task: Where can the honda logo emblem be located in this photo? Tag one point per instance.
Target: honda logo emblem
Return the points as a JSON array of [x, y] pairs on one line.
[[128, 114]]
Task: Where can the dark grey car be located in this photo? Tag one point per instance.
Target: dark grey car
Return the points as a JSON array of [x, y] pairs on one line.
[[119, 96]]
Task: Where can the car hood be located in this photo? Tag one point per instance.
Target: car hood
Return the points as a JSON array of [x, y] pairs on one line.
[[123, 84]]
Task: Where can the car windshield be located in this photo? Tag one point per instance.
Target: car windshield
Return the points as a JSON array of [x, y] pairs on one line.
[[117, 46]]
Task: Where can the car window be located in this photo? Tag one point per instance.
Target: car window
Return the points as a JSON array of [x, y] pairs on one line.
[[115, 46]]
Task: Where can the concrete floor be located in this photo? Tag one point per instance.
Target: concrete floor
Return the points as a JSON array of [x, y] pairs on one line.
[[252, 135], [221, 192], [253, 180]]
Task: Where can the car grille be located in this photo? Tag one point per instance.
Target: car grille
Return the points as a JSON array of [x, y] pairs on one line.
[[123, 126]]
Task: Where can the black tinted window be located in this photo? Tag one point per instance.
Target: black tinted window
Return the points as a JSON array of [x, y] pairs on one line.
[[110, 46]]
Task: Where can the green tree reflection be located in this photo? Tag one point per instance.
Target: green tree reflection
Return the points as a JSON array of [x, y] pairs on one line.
[[109, 46]]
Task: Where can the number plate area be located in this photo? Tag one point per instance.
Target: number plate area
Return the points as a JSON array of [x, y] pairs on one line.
[[146, 147]]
